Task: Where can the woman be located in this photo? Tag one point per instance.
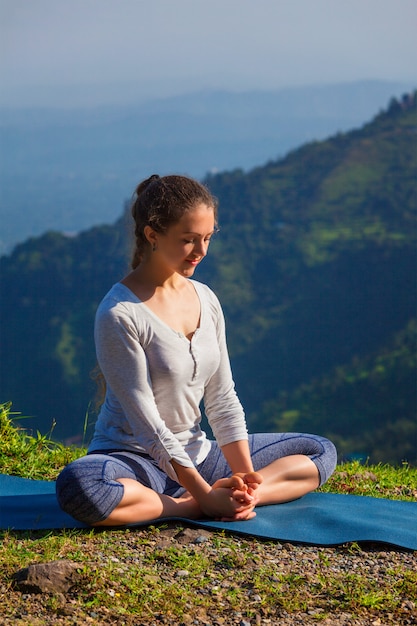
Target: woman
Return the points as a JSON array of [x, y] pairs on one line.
[[161, 347]]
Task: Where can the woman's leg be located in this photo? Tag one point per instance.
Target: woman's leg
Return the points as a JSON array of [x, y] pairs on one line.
[[287, 479], [291, 464], [142, 504], [122, 488]]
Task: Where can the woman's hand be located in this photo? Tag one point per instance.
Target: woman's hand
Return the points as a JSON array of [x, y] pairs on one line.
[[229, 499], [234, 498]]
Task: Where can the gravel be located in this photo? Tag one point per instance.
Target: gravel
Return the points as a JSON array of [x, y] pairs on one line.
[[373, 562]]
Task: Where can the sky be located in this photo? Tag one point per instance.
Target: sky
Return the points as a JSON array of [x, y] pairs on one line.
[[84, 50]]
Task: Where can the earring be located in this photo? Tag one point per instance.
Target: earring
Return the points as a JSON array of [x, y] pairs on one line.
[[154, 247]]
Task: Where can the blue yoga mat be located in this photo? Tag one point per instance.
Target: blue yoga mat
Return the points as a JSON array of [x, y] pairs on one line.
[[321, 519]]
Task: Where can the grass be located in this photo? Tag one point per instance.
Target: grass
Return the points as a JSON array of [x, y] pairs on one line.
[[22, 454], [145, 576]]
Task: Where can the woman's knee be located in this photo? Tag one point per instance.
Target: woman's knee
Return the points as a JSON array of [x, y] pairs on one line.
[[268, 447], [326, 461], [88, 489]]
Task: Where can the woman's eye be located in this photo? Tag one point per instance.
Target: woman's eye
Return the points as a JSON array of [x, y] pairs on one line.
[[193, 241]]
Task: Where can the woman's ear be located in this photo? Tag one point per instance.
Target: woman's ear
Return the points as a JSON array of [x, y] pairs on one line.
[[151, 235]]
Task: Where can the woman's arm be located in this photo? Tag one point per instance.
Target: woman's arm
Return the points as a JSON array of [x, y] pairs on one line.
[[238, 456], [222, 406]]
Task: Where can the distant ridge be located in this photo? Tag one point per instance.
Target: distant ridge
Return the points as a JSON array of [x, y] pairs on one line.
[[75, 167]]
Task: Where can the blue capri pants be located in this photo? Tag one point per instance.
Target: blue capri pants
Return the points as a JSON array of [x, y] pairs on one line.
[[88, 488]]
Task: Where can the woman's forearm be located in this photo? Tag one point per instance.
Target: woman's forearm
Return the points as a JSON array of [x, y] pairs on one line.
[[191, 480], [237, 455]]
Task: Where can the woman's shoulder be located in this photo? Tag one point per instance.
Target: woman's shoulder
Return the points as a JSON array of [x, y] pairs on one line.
[[204, 290], [118, 293], [118, 299], [121, 311]]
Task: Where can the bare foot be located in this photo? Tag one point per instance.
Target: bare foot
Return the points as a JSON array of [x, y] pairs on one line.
[[242, 488], [252, 479]]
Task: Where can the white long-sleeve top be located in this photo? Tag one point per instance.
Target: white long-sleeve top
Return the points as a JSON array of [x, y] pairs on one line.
[[156, 379]]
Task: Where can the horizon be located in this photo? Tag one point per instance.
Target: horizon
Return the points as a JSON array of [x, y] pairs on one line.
[[52, 97], [85, 51]]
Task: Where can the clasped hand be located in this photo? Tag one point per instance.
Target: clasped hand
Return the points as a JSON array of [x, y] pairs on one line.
[[233, 499]]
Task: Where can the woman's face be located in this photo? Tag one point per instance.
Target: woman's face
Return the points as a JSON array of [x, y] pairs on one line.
[[185, 243]]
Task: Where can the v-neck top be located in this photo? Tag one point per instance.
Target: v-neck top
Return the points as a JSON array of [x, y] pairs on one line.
[[156, 379]]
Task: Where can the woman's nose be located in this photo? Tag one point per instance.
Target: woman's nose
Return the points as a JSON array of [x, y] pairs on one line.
[[201, 247]]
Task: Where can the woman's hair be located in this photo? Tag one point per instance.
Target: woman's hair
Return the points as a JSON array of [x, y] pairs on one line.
[[160, 202]]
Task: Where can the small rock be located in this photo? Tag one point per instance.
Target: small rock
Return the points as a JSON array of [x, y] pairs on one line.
[[189, 535], [151, 579], [182, 573], [52, 577], [408, 605], [370, 476], [163, 543]]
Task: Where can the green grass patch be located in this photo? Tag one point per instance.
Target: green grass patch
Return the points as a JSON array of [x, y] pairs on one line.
[[29, 456], [145, 576], [377, 481]]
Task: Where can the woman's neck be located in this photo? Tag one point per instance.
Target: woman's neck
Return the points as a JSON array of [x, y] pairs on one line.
[[146, 280]]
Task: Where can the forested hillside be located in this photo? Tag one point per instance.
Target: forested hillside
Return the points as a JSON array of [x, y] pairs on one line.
[[315, 264]]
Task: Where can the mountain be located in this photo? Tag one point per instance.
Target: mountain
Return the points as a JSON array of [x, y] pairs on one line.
[[315, 265], [69, 169]]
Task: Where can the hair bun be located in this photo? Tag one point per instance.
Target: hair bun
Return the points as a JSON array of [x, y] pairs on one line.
[[145, 183]]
